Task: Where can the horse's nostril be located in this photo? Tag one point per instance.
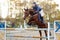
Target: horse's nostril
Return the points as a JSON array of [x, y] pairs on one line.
[[24, 18]]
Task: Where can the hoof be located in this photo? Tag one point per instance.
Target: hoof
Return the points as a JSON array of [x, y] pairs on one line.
[[29, 24], [40, 38]]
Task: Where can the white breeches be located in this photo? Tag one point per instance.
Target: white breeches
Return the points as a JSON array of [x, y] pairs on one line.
[[42, 13]]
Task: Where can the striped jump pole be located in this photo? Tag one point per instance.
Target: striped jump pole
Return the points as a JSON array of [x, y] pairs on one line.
[[29, 36]]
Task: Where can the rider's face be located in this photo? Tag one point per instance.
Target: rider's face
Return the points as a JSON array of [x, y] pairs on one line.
[[33, 5]]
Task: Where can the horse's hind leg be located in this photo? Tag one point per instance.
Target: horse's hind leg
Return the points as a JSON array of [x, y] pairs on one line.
[[46, 34], [40, 34]]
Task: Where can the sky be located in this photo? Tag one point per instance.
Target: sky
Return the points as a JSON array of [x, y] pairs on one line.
[[4, 7]]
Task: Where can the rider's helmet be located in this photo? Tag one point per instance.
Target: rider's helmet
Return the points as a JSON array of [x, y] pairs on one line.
[[33, 4]]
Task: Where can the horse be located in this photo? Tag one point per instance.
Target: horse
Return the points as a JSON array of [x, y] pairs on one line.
[[34, 19]]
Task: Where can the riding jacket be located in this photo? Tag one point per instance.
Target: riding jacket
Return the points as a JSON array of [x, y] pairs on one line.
[[37, 8]]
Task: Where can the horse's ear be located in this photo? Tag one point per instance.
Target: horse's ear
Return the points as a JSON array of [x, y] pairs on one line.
[[24, 9]]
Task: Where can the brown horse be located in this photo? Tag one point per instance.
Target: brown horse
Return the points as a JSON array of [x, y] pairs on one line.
[[34, 19]]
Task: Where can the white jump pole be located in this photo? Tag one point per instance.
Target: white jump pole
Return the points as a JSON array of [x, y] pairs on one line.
[[25, 26], [5, 31], [54, 31], [48, 30], [21, 27]]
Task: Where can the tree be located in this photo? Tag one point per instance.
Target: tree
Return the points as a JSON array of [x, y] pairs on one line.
[[49, 9]]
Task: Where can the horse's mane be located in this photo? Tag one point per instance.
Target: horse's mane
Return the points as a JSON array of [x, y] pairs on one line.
[[31, 11]]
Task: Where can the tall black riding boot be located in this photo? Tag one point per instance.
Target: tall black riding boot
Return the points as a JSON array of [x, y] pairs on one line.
[[42, 19]]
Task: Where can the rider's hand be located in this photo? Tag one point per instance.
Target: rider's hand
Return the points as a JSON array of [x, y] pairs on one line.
[[36, 12]]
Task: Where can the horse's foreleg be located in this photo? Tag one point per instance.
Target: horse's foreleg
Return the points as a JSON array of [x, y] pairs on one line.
[[50, 33], [30, 21], [46, 34], [40, 34]]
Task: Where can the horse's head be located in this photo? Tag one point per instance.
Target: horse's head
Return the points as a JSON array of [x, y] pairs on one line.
[[31, 11], [26, 13]]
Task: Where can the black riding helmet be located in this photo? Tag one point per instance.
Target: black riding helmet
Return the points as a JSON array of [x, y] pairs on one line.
[[34, 2]]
